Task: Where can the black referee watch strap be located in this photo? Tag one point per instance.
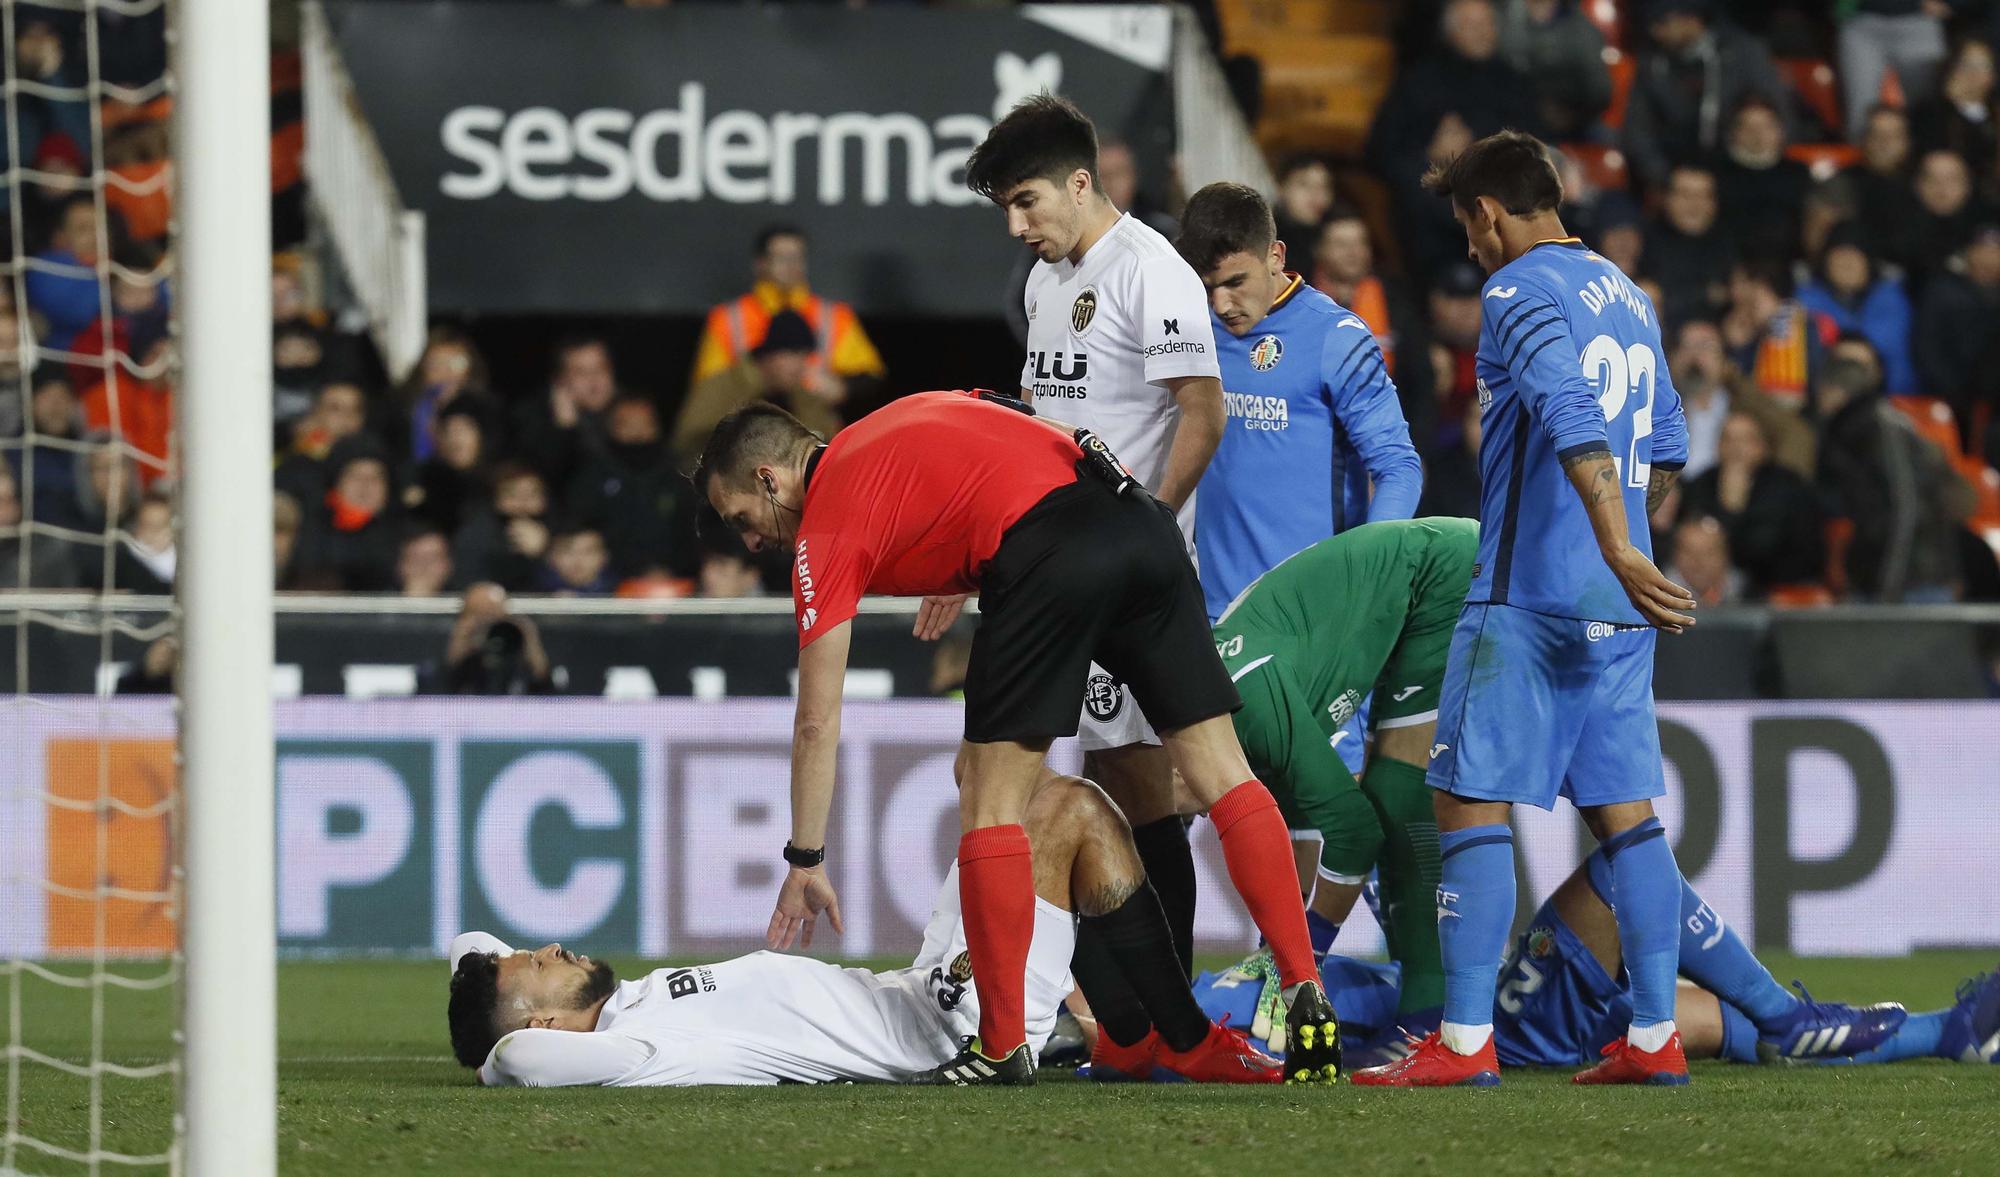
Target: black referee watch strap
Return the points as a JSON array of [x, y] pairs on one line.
[[804, 859]]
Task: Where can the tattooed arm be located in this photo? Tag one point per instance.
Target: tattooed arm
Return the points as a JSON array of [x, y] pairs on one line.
[[1657, 487], [1594, 476]]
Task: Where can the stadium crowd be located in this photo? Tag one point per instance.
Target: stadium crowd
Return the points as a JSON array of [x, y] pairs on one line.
[[1812, 199]]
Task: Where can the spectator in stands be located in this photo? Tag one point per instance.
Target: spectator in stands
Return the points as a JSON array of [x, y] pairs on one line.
[[451, 367], [1455, 310], [50, 564], [1960, 117], [1343, 265], [1958, 338], [107, 492], [1771, 514], [1947, 212], [634, 494], [1440, 103], [351, 538], [144, 402], [1694, 75], [1712, 388], [140, 306], [1880, 35], [1701, 562], [492, 651], [1883, 198], [286, 519], [50, 480], [423, 564], [154, 672], [504, 541], [778, 369], [456, 477], [1759, 191], [560, 431], [339, 411], [578, 565], [1770, 337], [841, 353], [1554, 45], [1618, 231], [1305, 196], [1451, 470], [1830, 204], [1686, 250], [308, 351], [1849, 288], [1118, 179], [42, 57], [729, 572], [298, 367], [67, 296], [63, 165], [1897, 489], [143, 558]]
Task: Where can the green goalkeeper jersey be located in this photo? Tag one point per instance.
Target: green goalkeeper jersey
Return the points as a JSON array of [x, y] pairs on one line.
[[1366, 613]]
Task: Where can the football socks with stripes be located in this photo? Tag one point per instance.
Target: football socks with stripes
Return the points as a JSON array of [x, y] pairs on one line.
[[1475, 910]]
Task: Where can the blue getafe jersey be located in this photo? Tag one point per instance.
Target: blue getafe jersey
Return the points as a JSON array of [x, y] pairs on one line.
[[1312, 418], [1569, 361]]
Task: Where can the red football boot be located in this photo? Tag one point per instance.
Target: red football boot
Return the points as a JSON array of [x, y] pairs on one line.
[[1225, 1056], [1433, 1064], [1112, 1063], [1625, 1063]]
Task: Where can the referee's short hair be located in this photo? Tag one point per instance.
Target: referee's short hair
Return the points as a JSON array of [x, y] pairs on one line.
[[1042, 138], [751, 436], [1223, 219], [1511, 167]]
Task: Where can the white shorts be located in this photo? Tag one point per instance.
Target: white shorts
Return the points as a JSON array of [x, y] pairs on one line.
[[1111, 717]]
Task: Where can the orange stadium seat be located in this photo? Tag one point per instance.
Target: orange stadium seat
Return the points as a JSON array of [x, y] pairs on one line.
[[1603, 166], [1814, 82], [1623, 68], [1310, 18], [1800, 596], [1320, 91], [1825, 159], [1933, 419]]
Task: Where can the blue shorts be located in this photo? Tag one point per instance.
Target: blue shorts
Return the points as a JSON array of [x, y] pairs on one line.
[[1555, 1007], [1535, 707]]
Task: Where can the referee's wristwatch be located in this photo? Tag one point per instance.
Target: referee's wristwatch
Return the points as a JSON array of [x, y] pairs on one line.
[[804, 859]]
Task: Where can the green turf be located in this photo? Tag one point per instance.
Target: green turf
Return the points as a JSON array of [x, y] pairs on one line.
[[365, 1087]]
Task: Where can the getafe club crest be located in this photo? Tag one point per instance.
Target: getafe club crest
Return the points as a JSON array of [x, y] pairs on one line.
[[1541, 942], [1083, 310], [1266, 352]]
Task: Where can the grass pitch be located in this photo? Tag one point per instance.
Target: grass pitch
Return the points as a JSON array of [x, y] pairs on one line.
[[367, 1086]]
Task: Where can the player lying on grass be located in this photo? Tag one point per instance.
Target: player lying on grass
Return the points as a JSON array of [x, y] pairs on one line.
[[1368, 613], [551, 1018], [1564, 996]]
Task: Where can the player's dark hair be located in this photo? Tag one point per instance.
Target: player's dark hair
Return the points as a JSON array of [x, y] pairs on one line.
[[1043, 138], [475, 993], [1222, 219], [751, 435], [772, 232], [1511, 168]]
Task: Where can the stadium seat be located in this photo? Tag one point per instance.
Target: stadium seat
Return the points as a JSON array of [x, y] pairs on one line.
[[1839, 534], [1817, 89], [1310, 18], [1800, 596], [1603, 166], [1825, 159], [1933, 420], [1320, 91], [1623, 68], [1604, 14]]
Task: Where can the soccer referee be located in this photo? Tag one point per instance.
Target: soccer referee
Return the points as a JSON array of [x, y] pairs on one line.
[[948, 493]]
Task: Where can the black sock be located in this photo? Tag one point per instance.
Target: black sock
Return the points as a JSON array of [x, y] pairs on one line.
[[1120, 1014], [1135, 936], [1169, 862]]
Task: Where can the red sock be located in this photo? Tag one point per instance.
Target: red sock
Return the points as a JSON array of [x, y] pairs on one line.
[[1258, 849], [996, 895]]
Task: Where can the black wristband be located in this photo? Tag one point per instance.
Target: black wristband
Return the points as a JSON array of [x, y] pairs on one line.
[[804, 859]]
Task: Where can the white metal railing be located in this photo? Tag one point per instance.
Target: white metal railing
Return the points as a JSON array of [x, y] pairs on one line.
[[380, 242], [1215, 139]]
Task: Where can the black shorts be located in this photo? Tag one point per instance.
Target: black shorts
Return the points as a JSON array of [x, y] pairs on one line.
[[1087, 575]]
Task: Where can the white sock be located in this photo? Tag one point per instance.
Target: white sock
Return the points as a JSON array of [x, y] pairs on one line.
[[1464, 1039], [1650, 1038]]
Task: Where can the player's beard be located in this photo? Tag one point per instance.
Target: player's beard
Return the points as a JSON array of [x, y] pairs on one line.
[[598, 983]]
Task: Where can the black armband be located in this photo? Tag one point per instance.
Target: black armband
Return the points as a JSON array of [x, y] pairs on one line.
[[1000, 398], [804, 859]]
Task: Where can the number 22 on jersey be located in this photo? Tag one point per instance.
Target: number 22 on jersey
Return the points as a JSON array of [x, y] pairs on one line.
[[1623, 376]]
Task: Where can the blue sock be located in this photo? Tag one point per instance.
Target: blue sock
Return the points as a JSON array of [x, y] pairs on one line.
[[1918, 1038], [1322, 930], [1646, 894], [1739, 1035], [1716, 958], [1475, 912]]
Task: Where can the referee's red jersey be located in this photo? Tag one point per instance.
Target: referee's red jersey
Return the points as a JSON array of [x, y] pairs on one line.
[[912, 500]]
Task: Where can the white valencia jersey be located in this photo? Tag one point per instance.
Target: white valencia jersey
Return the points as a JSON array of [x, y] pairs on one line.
[[775, 1018], [1104, 333]]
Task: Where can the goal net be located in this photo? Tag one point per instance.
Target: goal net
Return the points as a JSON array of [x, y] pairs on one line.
[[101, 529]]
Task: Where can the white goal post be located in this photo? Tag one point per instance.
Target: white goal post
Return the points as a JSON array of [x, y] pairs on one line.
[[222, 160]]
